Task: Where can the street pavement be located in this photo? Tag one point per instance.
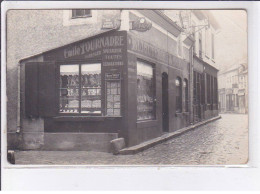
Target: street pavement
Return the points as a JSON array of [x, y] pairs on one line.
[[221, 142]]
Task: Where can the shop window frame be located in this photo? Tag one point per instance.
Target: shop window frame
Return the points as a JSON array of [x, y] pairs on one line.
[[154, 89], [79, 114]]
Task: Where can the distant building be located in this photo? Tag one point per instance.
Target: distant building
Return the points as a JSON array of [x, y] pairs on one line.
[[233, 90]]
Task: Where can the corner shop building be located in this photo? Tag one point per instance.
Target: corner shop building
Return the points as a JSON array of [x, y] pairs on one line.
[[115, 84]]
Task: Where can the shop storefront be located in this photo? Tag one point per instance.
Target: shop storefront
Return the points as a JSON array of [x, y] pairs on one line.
[[115, 84]]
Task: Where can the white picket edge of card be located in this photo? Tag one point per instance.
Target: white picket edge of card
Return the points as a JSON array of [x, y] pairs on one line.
[[175, 177]]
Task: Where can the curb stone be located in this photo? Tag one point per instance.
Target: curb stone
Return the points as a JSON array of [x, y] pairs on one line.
[[148, 144]]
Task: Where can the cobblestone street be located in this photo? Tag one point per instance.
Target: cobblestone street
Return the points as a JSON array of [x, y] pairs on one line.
[[224, 141]]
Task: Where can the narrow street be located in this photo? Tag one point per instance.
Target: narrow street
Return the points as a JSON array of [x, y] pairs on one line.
[[221, 142]]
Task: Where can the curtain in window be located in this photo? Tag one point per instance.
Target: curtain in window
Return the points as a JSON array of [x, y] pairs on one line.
[[80, 88]]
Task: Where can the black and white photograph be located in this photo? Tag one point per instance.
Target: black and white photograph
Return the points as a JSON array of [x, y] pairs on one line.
[[130, 95], [127, 87]]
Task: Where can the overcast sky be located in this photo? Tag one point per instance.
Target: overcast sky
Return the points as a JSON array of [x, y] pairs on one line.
[[231, 41]]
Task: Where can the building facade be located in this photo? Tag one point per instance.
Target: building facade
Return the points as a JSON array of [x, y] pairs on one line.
[[233, 90], [99, 75], [202, 27]]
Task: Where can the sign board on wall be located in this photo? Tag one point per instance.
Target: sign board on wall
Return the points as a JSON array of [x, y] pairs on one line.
[[110, 19], [147, 49], [110, 47], [109, 23], [141, 25]]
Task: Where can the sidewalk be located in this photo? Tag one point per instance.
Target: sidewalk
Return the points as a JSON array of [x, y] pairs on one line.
[[147, 144], [128, 156]]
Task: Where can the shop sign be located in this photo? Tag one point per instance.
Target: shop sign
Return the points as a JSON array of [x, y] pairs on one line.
[[147, 49], [94, 46], [113, 76], [109, 23], [110, 48], [141, 25]]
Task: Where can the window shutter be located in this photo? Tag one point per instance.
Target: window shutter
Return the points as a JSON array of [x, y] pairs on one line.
[[40, 89], [31, 89], [48, 95]]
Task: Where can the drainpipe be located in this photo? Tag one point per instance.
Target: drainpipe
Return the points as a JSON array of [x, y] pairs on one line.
[[191, 84], [18, 127]]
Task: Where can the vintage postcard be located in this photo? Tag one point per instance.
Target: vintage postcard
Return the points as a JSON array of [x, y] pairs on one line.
[[127, 87]]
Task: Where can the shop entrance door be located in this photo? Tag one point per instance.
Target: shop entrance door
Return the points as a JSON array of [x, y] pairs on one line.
[[165, 103]]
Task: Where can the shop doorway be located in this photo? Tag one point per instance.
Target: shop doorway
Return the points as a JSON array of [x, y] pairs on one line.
[[165, 103]]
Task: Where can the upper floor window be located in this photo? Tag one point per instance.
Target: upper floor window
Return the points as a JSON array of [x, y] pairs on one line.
[[194, 35], [180, 46], [213, 46], [79, 13], [200, 45], [207, 42]]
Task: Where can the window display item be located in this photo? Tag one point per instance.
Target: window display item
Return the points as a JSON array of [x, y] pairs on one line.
[[89, 87], [145, 91]]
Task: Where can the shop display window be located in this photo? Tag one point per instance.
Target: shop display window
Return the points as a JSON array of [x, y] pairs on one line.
[[113, 92], [80, 88], [69, 88], [145, 91]]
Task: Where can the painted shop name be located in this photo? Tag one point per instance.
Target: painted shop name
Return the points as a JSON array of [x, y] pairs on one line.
[[93, 45]]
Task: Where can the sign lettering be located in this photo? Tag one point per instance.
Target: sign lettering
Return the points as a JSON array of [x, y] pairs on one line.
[[94, 45]]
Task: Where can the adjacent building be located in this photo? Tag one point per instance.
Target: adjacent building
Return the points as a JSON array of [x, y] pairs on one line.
[[233, 89], [86, 77]]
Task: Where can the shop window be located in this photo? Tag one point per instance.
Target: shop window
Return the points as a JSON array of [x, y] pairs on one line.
[[79, 13], [186, 95], [145, 91], [113, 93], [80, 88], [178, 94]]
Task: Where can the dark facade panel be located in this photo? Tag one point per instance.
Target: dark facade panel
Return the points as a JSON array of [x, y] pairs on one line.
[[31, 89], [48, 98]]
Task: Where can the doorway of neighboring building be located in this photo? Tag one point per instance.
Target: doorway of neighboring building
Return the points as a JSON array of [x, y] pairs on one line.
[[165, 103]]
